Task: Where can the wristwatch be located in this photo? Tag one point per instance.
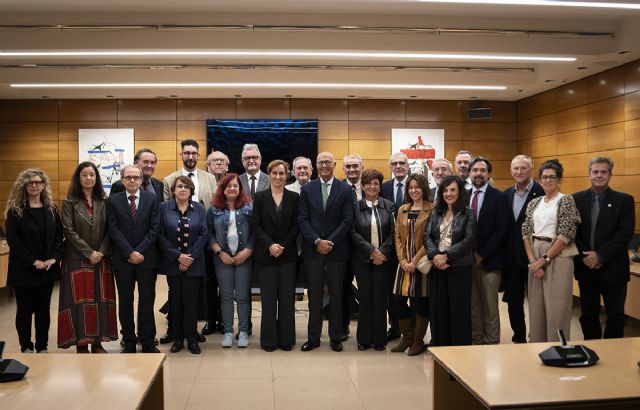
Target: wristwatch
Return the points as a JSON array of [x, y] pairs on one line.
[[218, 252], [546, 258]]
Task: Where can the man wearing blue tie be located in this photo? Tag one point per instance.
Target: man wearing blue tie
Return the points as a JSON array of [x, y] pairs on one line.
[[325, 215]]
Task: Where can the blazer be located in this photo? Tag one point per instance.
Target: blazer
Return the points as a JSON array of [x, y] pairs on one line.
[[130, 234], [492, 229], [361, 230], [464, 231], [26, 246], [218, 224], [271, 227], [263, 183], [332, 223], [168, 239], [402, 232], [82, 234], [566, 224], [514, 245], [158, 186], [386, 191], [206, 187], [614, 227]]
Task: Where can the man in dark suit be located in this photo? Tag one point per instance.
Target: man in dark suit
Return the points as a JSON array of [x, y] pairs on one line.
[[133, 219], [516, 271], [146, 160], [253, 180], [325, 215], [602, 267], [490, 208], [394, 190]]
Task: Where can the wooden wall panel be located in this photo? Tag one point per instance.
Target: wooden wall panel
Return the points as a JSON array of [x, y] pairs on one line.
[[9, 170], [165, 150], [263, 108], [606, 84], [339, 148], [370, 149], [545, 146], [497, 150], [632, 77], [151, 110], [372, 130], [572, 142], [333, 110], [501, 169], [606, 111], [377, 110], [451, 148], [29, 131], [164, 168], [452, 130], [47, 151], [572, 95], [572, 119], [631, 161], [423, 110], [333, 130], [151, 130], [66, 169], [632, 133], [488, 131], [88, 110], [605, 137], [381, 165], [200, 109], [195, 130], [68, 150], [29, 110], [68, 131], [632, 106], [572, 185]]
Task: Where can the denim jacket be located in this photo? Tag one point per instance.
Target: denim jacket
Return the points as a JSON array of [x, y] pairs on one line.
[[218, 224]]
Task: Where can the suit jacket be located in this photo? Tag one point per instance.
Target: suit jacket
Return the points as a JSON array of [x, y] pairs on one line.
[[206, 189], [271, 227], [263, 183], [514, 244], [614, 229], [386, 191], [492, 229], [118, 186], [83, 234], [332, 223], [464, 231], [26, 246], [130, 234], [168, 239]]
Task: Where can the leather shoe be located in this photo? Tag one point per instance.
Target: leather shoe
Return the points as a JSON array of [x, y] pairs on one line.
[[201, 338], [176, 347], [129, 349], [268, 348], [393, 333], [208, 329], [309, 346], [194, 348], [150, 349], [363, 347], [285, 348], [168, 338], [379, 348], [344, 337], [336, 346]]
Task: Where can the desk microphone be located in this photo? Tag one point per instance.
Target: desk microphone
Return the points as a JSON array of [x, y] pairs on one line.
[[568, 356], [10, 369]]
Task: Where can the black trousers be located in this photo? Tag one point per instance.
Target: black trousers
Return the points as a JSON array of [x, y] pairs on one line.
[[613, 296], [391, 277], [184, 307], [30, 302], [277, 292], [450, 306], [126, 282], [212, 296], [372, 292], [515, 282], [418, 305], [320, 270], [347, 283]]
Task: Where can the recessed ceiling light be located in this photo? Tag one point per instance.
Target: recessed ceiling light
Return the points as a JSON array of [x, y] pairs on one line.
[[45, 96], [473, 97], [109, 96], [173, 96], [351, 96], [549, 81], [583, 4], [286, 54], [288, 95], [582, 68], [521, 91], [413, 96], [623, 52], [238, 95]]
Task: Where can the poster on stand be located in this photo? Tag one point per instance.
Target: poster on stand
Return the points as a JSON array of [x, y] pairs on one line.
[[109, 149], [421, 147]]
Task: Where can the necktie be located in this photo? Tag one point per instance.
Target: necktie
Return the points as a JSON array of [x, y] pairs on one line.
[[595, 211], [190, 175], [132, 205], [355, 192], [253, 186], [474, 203], [325, 194], [399, 195], [145, 184]]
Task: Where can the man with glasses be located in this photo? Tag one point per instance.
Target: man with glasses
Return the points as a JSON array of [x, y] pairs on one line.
[[133, 219], [394, 191], [325, 215], [218, 165], [253, 180], [440, 168], [146, 160]]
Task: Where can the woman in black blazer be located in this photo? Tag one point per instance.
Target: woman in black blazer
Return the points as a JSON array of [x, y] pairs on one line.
[[182, 237], [274, 223], [370, 256], [448, 239], [34, 234]]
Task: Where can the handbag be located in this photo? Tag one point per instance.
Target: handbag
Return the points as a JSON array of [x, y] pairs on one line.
[[424, 265]]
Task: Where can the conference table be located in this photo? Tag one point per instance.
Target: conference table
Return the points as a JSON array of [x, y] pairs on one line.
[[86, 381], [511, 376]]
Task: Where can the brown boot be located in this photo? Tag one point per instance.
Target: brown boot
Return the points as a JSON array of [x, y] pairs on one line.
[[418, 343], [97, 348], [82, 349], [406, 327]]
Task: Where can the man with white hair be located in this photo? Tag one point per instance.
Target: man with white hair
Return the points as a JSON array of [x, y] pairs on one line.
[[352, 167], [218, 165], [302, 170], [440, 168], [253, 180]]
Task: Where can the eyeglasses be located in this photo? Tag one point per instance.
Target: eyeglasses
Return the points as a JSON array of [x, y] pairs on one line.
[[190, 153], [398, 163], [252, 158], [549, 177], [131, 178], [34, 183], [352, 166], [325, 163], [182, 186]]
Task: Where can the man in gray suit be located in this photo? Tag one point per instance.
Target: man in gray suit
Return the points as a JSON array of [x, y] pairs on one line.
[[253, 180]]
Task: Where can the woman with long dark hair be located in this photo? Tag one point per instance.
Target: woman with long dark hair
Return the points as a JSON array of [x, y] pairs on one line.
[[87, 307], [232, 241], [34, 234], [448, 240]]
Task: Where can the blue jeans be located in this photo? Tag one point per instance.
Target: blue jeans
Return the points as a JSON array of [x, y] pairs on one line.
[[234, 282]]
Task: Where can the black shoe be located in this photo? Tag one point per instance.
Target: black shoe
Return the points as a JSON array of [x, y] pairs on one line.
[[393, 333], [268, 348], [286, 348], [250, 329], [194, 348], [201, 338], [379, 348], [309, 346], [220, 328], [363, 347], [168, 338], [176, 347], [209, 328], [128, 349], [155, 341], [344, 337], [150, 349], [336, 346]]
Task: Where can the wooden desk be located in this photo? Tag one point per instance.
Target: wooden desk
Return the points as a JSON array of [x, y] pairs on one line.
[[512, 376], [77, 381]]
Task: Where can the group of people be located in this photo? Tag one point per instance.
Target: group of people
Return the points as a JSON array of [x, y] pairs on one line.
[[421, 255]]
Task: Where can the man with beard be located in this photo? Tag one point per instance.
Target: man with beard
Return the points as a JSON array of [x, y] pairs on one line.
[[463, 159], [302, 170]]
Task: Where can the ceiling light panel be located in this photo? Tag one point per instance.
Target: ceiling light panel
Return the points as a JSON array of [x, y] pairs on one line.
[[544, 3]]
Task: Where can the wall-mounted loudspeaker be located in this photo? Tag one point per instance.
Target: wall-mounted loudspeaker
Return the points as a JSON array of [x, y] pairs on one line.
[[479, 113]]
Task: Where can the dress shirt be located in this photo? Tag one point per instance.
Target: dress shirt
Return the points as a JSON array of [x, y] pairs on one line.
[[329, 184], [196, 183], [395, 186], [358, 189], [137, 201], [519, 198], [483, 190]]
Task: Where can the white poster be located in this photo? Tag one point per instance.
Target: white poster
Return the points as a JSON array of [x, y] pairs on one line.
[[421, 146], [109, 149]]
